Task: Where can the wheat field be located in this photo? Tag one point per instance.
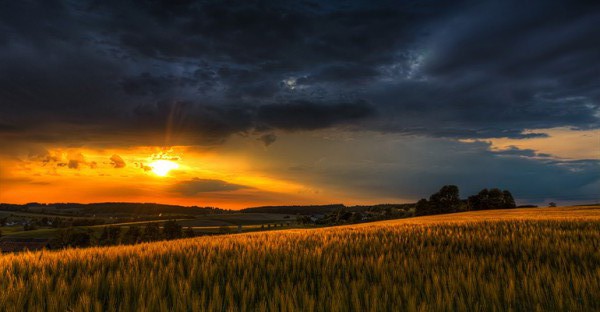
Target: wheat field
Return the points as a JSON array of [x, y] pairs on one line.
[[508, 260]]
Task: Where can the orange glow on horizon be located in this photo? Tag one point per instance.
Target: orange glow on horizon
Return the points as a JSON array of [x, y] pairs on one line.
[[143, 174], [162, 167]]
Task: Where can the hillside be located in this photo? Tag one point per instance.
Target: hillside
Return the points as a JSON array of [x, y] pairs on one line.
[[114, 208], [520, 259], [310, 209]]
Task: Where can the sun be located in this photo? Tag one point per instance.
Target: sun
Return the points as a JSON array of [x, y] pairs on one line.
[[162, 167]]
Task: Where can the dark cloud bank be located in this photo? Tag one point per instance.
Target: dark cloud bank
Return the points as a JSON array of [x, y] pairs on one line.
[[196, 72], [204, 70]]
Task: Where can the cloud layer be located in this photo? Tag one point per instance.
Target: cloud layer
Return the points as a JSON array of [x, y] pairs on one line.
[[197, 186], [197, 72], [427, 76]]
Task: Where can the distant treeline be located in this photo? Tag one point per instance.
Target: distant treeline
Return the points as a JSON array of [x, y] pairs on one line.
[[325, 209], [358, 214], [113, 208], [447, 200], [116, 235], [380, 207], [295, 209]]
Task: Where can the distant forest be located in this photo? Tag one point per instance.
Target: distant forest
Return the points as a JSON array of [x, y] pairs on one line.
[[111, 209], [295, 209], [446, 200]]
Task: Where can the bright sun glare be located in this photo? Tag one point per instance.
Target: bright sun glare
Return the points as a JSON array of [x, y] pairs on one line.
[[162, 167]]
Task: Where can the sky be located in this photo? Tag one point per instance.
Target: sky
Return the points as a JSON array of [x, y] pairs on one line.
[[241, 103]]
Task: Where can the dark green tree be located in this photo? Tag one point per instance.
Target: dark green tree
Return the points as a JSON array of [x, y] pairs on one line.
[[79, 239], [356, 217], [172, 230], [446, 200], [111, 235], [509, 201], [151, 232], [422, 208], [189, 232], [496, 199], [63, 236], [303, 219], [133, 235], [491, 199], [103, 236], [115, 234], [480, 201]]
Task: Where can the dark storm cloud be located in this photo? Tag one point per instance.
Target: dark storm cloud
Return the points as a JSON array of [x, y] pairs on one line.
[[268, 139], [341, 73], [509, 65], [196, 72], [147, 84], [195, 186], [307, 115]]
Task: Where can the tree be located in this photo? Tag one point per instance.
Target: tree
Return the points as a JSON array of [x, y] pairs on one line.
[[103, 236], [422, 208], [509, 201], [496, 199], [446, 200], [69, 237], [551, 204], [172, 230], [111, 235], [115, 234], [492, 199], [133, 234], [341, 216], [79, 239], [303, 219], [63, 236], [356, 217], [151, 232], [189, 232]]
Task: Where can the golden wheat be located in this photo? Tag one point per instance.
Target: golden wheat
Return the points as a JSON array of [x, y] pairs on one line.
[[423, 264]]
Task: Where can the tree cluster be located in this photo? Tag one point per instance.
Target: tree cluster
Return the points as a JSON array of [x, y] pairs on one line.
[[69, 237], [340, 216], [447, 200], [113, 235], [491, 199]]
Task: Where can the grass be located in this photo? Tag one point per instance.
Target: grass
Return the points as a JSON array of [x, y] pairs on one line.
[[521, 260]]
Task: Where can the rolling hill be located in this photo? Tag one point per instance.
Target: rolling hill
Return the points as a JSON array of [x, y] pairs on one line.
[[520, 259]]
